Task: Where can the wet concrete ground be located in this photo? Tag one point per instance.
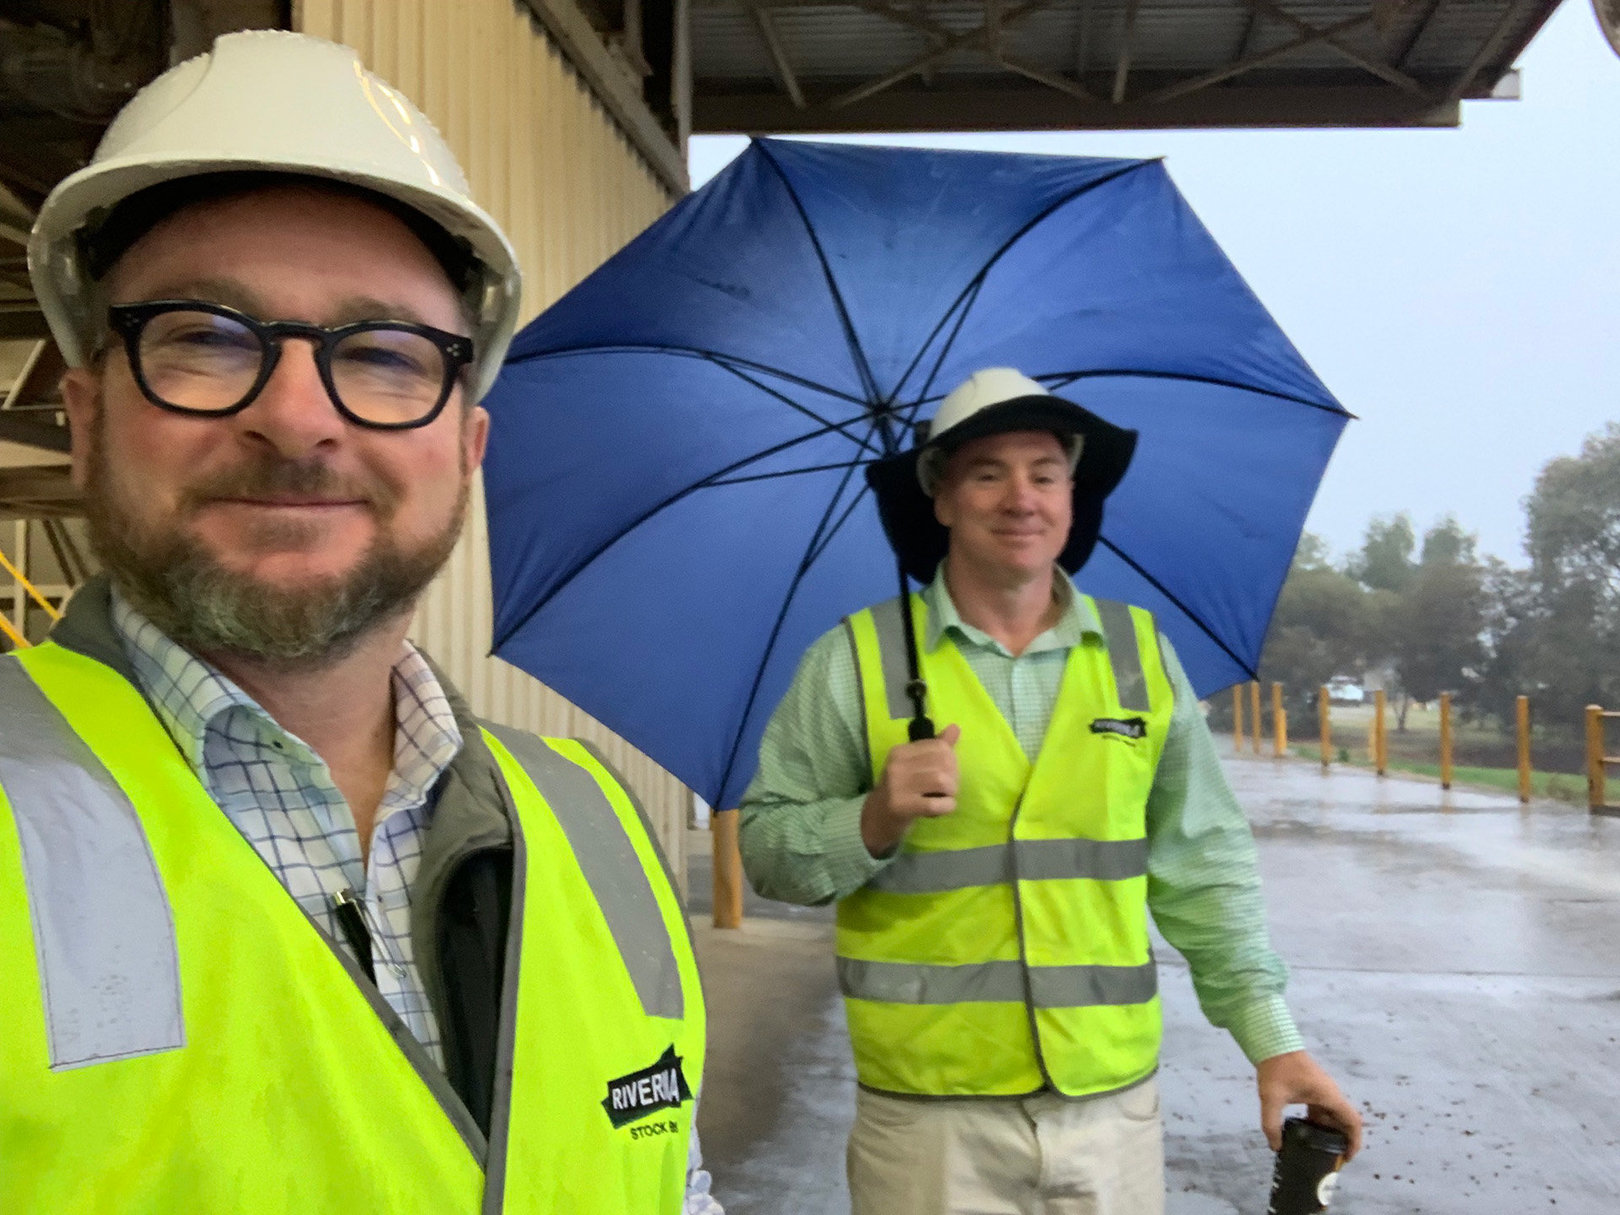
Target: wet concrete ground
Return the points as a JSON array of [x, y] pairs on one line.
[[1455, 961]]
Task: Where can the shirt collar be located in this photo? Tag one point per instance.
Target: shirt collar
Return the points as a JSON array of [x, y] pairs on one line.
[[1077, 619], [190, 695]]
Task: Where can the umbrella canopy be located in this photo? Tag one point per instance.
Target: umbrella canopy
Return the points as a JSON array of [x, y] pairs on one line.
[[674, 479]]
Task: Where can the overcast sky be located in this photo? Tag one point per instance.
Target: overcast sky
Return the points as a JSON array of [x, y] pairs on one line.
[[1458, 290]]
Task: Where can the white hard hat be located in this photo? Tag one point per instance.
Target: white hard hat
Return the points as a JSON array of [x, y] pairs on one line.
[[277, 102], [1019, 403]]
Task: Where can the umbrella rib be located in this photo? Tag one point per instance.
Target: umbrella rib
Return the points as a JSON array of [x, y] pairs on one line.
[[786, 472], [968, 300], [690, 352], [977, 280], [664, 504], [850, 337], [1062, 379], [1176, 602], [818, 545], [791, 403]]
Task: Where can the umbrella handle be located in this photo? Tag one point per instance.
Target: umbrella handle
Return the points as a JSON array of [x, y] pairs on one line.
[[922, 726]]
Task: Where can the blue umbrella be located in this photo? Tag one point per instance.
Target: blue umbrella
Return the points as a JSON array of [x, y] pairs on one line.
[[676, 505]]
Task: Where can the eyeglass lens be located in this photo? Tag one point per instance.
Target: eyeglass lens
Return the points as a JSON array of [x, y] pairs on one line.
[[209, 363]]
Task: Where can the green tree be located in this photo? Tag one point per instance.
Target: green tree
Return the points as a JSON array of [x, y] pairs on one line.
[[1321, 626], [1553, 631], [1436, 636], [1384, 561]]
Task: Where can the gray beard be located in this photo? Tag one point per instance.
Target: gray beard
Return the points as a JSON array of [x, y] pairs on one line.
[[207, 608]]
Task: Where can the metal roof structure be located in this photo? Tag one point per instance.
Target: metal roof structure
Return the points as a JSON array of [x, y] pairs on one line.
[[984, 65], [773, 66]]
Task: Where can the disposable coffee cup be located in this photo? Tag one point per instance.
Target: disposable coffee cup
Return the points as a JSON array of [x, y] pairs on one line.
[[1307, 1168]]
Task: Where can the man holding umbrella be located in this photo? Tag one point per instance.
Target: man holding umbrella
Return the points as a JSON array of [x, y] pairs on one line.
[[993, 883]]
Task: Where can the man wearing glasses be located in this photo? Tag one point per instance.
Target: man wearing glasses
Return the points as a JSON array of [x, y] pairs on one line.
[[283, 926]]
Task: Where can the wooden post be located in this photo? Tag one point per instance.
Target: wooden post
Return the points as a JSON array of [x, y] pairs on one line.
[[1521, 716], [1254, 715], [1445, 740], [1237, 718], [1380, 740], [728, 874], [1324, 723], [1595, 792]]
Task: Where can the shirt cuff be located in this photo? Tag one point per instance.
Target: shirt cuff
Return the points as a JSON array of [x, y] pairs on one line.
[[1264, 1028], [849, 865]]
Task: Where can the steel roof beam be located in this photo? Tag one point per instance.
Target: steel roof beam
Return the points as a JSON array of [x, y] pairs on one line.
[[976, 37], [1483, 55], [1259, 59], [1040, 109], [1382, 70], [766, 24], [1122, 68]]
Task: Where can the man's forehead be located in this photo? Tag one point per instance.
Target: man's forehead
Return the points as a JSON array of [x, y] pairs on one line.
[[1036, 446], [226, 250]]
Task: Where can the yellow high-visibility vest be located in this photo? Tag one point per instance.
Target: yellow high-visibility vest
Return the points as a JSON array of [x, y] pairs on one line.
[[178, 1036], [1005, 949]]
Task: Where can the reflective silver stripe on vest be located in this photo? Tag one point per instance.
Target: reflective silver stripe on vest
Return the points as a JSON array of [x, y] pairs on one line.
[[1119, 630], [611, 867], [1025, 860], [889, 618], [996, 983], [109, 970]]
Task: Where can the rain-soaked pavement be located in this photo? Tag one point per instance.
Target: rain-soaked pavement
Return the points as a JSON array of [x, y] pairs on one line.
[[1455, 963]]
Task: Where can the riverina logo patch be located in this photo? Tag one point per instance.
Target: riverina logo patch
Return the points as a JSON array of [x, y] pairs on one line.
[[661, 1086], [1125, 727]]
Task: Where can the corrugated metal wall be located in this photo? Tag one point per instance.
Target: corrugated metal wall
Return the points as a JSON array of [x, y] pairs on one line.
[[570, 190]]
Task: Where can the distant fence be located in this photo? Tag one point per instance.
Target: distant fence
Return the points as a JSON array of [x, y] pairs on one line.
[[1597, 762]]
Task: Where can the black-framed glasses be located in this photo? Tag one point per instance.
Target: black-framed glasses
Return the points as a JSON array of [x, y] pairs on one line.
[[195, 357]]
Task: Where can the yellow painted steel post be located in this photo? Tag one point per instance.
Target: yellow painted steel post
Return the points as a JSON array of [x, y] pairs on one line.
[[1595, 792], [728, 875], [1254, 715], [17, 639], [1279, 721], [1324, 724], [1521, 716], [1237, 718], [1445, 740], [1380, 741]]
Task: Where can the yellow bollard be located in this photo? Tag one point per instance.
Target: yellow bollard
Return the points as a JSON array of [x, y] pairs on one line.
[[1445, 740], [1237, 718], [1380, 740], [728, 875], [1521, 717], [1254, 715], [1324, 724], [1279, 721], [1596, 776]]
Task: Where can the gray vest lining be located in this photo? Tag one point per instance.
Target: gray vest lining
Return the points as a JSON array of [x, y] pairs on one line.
[[611, 867], [1022, 860], [889, 620], [104, 939], [1124, 655], [1000, 982]]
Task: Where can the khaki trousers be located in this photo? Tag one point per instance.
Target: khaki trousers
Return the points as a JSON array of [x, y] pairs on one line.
[[1040, 1155]]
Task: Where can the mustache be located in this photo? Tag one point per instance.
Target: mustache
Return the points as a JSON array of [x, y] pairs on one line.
[[269, 476]]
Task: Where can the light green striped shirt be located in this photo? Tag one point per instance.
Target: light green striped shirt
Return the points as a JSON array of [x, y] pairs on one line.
[[800, 820]]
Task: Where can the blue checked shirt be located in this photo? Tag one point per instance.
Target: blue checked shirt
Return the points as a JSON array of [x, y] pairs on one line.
[[282, 798]]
